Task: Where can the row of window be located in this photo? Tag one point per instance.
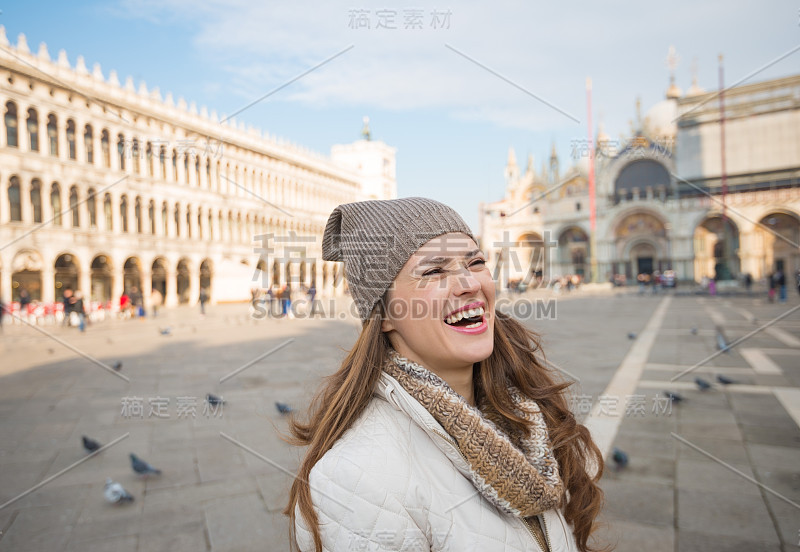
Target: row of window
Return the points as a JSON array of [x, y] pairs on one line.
[[230, 225], [158, 163]]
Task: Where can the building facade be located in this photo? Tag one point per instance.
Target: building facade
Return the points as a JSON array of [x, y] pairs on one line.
[[660, 200], [105, 187]]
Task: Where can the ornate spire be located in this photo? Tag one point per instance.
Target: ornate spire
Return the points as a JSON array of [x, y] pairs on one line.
[[512, 157], [695, 89], [365, 132], [673, 92]]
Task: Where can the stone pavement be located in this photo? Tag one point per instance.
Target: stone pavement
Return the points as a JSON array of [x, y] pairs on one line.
[[680, 490], [226, 473]]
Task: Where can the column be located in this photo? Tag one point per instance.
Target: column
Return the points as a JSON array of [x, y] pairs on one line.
[[171, 298], [24, 199], [147, 287], [5, 282], [85, 280], [48, 282], [80, 147], [194, 283], [117, 282]]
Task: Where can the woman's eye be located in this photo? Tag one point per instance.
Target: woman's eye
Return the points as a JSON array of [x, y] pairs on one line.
[[432, 271], [478, 262]]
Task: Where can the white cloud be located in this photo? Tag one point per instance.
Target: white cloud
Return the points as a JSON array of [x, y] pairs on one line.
[[547, 49]]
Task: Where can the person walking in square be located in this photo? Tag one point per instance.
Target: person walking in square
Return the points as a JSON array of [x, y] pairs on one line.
[[443, 428], [156, 300], [203, 298]]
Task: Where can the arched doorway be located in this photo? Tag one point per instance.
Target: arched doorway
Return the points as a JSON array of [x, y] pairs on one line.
[[132, 275], [158, 279], [276, 274], [66, 274], [102, 278], [643, 256], [716, 249], [573, 252], [26, 274], [207, 272], [778, 236], [641, 244], [183, 280], [527, 261]]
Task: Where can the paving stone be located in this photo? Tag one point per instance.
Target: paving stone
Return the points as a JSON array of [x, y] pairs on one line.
[[626, 536], [712, 476], [239, 523], [639, 502], [728, 513], [775, 457], [692, 541]]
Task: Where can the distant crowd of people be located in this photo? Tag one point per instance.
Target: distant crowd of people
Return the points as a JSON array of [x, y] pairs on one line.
[[278, 299]]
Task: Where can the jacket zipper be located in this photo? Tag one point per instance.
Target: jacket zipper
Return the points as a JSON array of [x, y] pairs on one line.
[[533, 534], [546, 533], [451, 441]]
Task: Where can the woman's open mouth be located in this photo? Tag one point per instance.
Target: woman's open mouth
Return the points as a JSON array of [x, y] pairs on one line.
[[471, 320]]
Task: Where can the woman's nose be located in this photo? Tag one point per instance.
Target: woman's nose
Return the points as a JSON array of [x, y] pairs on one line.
[[466, 282]]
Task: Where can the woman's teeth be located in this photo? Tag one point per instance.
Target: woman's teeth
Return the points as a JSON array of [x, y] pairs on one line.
[[469, 313]]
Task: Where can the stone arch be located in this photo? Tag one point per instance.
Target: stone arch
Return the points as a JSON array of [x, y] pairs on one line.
[[66, 274], [102, 278], [26, 274], [131, 274], [573, 251], [632, 230], [207, 276], [778, 235], [159, 272], [716, 248], [183, 280]]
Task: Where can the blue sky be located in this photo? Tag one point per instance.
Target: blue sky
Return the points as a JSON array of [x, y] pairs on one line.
[[451, 120]]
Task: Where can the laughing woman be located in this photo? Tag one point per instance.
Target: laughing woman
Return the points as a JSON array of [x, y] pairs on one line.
[[442, 429]]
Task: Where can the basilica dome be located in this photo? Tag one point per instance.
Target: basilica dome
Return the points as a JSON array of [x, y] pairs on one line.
[[660, 120]]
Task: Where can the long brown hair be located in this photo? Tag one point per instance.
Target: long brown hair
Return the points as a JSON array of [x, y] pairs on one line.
[[514, 360]]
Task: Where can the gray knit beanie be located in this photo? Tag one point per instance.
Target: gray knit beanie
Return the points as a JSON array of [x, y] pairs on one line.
[[375, 238]]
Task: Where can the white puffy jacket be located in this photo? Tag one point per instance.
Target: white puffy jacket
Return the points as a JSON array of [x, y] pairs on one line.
[[397, 481]]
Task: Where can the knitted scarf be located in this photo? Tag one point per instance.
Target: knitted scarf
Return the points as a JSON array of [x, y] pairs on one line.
[[516, 473]]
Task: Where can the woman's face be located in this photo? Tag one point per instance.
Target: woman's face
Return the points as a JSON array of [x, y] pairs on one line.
[[440, 310]]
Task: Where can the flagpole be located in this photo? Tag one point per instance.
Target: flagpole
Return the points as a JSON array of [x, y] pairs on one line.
[[592, 211], [725, 237]]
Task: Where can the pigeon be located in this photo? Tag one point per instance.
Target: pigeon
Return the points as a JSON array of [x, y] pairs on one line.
[[284, 408], [702, 384], [117, 366], [620, 458], [722, 343], [165, 331], [116, 493], [90, 444], [694, 330], [213, 400], [673, 396], [631, 335], [724, 380], [141, 467]]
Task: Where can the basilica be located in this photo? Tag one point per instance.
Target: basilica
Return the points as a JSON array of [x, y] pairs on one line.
[[667, 199], [108, 186]]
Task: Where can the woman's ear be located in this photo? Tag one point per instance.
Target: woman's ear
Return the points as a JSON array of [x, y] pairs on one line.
[[386, 325]]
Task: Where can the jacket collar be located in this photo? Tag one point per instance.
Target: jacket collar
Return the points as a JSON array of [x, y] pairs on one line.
[[390, 390]]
